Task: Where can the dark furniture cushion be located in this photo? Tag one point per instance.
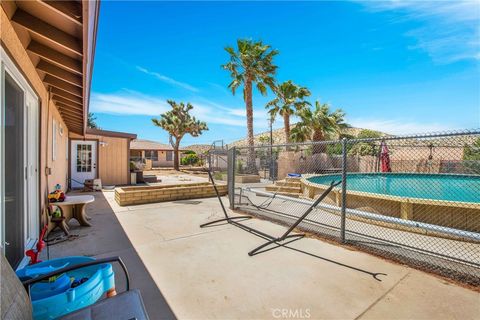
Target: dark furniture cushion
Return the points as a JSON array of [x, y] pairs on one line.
[[15, 303], [126, 305]]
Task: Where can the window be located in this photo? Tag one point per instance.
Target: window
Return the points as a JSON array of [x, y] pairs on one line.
[[169, 155], [84, 158], [151, 155], [135, 155]]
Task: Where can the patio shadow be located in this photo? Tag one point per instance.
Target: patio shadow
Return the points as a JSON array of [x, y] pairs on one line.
[[107, 238]]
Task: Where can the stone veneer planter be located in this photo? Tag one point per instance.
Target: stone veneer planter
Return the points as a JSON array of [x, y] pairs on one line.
[[244, 178], [149, 194]]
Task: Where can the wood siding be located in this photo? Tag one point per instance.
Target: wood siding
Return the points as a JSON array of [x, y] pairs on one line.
[[113, 158]]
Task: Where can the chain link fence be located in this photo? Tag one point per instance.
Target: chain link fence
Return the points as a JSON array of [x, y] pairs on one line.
[[413, 199]]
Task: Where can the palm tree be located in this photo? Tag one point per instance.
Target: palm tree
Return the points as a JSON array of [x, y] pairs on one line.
[[178, 122], [300, 133], [320, 124], [289, 100], [251, 63]]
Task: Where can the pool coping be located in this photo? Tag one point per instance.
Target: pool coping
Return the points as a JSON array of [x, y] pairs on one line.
[[445, 203]]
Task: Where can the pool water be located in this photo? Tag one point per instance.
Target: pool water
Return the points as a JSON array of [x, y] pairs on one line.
[[448, 187]]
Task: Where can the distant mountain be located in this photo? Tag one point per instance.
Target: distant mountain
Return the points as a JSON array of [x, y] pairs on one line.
[[198, 148], [279, 136]]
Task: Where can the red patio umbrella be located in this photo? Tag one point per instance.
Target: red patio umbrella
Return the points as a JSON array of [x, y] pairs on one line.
[[385, 158]]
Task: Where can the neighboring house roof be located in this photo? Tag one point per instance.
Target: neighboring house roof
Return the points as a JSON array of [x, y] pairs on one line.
[[115, 134], [140, 144]]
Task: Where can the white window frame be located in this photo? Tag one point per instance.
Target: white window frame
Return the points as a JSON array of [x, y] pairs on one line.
[[32, 220], [2, 157]]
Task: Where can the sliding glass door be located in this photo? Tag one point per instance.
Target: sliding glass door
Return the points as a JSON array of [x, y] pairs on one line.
[[19, 163], [14, 186]]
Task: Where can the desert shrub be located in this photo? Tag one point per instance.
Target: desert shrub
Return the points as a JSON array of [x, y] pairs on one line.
[[367, 133], [336, 148], [239, 169], [218, 175], [190, 159], [471, 157], [365, 148]]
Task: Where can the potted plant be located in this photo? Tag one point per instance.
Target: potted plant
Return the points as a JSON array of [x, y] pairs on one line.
[[136, 172]]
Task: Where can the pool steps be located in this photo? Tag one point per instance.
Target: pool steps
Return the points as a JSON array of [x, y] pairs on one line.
[[290, 187]]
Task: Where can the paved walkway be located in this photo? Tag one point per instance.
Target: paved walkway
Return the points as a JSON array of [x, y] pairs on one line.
[[207, 274]]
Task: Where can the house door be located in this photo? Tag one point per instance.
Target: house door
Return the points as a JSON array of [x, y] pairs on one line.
[[83, 162], [20, 169], [14, 176]]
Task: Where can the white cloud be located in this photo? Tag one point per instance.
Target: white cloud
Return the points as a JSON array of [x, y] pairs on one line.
[[230, 115], [219, 87], [397, 127], [169, 80], [449, 31], [211, 114], [129, 102]]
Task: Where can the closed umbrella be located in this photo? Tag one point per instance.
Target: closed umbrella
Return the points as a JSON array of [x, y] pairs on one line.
[[385, 158]]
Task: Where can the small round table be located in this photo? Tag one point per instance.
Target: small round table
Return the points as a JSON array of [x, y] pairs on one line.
[[77, 205]]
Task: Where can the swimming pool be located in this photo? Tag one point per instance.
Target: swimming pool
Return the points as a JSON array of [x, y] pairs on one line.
[[448, 187], [448, 200]]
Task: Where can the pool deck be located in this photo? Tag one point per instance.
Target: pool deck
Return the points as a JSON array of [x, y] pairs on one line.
[[193, 273]]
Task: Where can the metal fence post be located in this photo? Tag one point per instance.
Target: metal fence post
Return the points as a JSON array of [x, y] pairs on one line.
[[209, 160], [231, 159], [344, 189]]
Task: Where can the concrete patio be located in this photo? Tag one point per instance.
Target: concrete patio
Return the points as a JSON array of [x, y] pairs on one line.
[[106, 238], [189, 272]]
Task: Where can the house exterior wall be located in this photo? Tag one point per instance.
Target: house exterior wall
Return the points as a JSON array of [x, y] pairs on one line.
[[47, 110], [161, 155], [162, 159], [113, 166], [59, 166]]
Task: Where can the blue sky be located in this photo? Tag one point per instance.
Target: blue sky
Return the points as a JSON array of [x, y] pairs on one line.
[[396, 66]]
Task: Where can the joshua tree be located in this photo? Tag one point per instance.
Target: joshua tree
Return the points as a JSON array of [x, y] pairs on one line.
[[290, 99], [178, 122], [320, 123], [251, 64]]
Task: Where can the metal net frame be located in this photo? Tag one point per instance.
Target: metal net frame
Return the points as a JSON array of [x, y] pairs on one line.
[[413, 199]]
